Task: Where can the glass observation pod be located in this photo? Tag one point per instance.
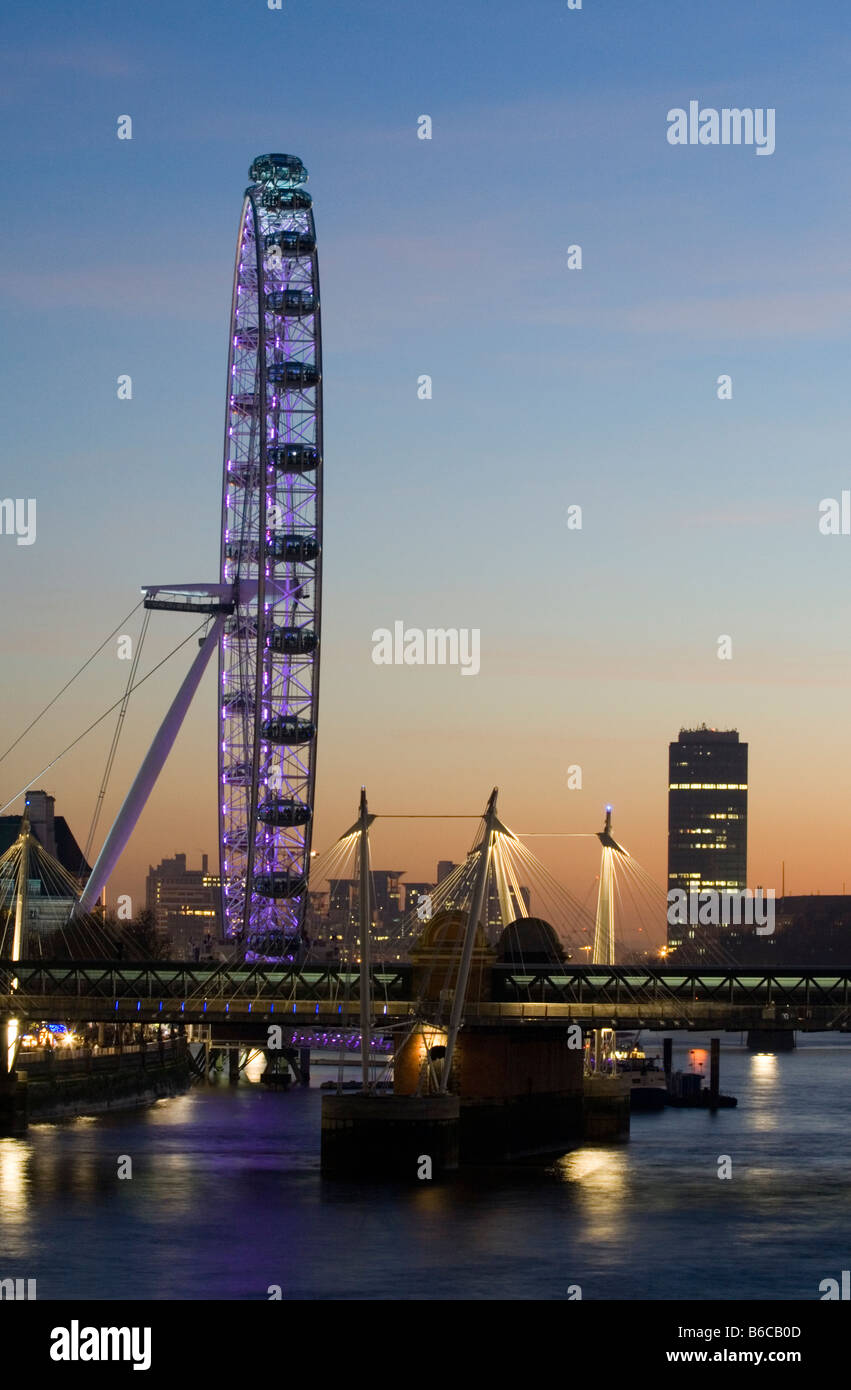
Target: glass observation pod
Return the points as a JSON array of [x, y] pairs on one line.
[[296, 548], [292, 242], [284, 813], [293, 641], [279, 885], [248, 552], [295, 375], [282, 171], [285, 200], [291, 304], [235, 704], [293, 458], [237, 773], [286, 728], [243, 474], [275, 943]]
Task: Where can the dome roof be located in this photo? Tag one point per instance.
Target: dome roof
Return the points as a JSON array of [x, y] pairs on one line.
[[529, 941], [445, 931]]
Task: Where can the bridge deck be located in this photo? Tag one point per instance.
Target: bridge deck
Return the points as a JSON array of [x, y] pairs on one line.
[[629, 997]]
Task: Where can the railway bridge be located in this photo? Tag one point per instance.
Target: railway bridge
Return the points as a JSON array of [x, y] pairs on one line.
[[729, 998]]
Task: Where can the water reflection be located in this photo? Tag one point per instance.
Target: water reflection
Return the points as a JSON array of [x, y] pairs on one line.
[[599, 1176], [226, 1189], [764, 1080], [14, 1160]]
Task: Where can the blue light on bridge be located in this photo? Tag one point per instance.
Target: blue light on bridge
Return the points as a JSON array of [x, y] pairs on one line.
[[227, 1008], [182, 1006], [138, 1005]]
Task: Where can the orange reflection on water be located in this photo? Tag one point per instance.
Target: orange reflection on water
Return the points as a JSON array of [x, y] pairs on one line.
[[14, 1158], [599, 1179]]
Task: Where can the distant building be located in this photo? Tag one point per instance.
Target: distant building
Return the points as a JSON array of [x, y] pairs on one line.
[[707, 816], [49, 901], [493, 909], [812, 930], [415, 893], [186, 904], [52, 832], [387, 896]]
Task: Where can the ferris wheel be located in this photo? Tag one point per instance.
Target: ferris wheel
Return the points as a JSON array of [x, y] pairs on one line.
[[271, 559], [263, 614]]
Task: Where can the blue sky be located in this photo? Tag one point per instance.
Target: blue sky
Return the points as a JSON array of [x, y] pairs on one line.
[[551, 387]]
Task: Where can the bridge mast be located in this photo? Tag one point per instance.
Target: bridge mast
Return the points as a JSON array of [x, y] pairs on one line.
[[365, 924], [21, 899], [469, 939], [604, 926]]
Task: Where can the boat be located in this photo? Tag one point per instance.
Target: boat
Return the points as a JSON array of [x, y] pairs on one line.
[[648, 1083]]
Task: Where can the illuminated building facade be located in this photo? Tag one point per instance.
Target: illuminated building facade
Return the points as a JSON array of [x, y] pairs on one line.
[[186, 904], [707, 816], [387, 896]]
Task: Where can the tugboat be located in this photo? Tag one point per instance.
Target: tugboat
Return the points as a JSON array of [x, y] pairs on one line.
[[648, 1087]]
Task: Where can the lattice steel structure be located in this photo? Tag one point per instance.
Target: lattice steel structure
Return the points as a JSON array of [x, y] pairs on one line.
[[271, 555]]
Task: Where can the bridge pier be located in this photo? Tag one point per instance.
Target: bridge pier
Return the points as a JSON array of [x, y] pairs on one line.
[[14, 1109], [389, 1135]]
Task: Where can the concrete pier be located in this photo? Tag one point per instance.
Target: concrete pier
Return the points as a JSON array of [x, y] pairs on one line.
[[606, 1105], [13, 1104], [387, 1135]]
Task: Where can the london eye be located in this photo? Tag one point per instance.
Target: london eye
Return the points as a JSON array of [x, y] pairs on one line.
[[271, 559]]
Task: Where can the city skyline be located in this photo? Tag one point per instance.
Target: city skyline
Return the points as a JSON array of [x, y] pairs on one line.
[[575, 861], [590, 857]]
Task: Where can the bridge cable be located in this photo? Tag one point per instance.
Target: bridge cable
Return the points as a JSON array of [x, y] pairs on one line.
[[113, 749], [71, 681], [105, 715]]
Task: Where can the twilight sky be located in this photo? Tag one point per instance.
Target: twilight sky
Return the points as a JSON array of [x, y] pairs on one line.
[[551, 387]]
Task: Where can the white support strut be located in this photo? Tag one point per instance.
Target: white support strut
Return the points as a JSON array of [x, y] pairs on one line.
[[134, 802]]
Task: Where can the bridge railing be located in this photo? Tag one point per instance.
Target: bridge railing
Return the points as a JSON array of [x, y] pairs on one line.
[[244, 986]]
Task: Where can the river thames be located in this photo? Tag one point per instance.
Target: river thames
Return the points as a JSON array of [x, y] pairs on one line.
[[226, 1201]]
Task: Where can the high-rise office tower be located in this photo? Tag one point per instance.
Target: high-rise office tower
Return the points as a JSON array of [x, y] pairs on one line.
[[707, 816]]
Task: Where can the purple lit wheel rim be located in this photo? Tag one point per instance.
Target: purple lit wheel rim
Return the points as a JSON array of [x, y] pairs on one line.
[[271, 525]]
